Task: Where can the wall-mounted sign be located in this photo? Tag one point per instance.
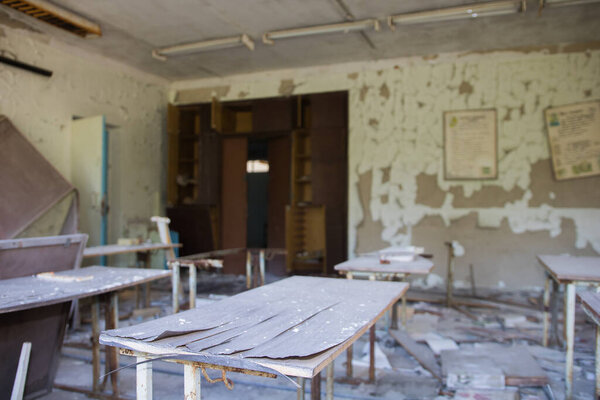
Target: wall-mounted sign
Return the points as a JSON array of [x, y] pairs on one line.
[[470, 144], [574, 135]]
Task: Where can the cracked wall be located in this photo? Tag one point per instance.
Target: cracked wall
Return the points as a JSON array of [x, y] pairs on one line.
[[84, 84], [397, 192]]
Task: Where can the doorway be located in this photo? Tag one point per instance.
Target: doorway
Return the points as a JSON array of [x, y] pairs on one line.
[[257, 178]]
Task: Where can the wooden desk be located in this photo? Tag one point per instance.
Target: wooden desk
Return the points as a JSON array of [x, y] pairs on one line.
[[295, 327], [374, 269], [591, 305], [569, 271], [18, 294], [142, 253], [214, 259]]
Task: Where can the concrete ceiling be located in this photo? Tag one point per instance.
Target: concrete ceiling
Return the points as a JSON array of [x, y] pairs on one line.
[[133, 28]]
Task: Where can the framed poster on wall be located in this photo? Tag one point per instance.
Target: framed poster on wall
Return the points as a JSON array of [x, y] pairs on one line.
[[574, 136], [470, 144]]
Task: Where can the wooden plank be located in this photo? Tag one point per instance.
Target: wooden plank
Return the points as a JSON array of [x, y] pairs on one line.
[[31, 292], [565, 268], [348, 309], [420, 352], [591, 303], [112, 249], [517, 364], [19, 385]]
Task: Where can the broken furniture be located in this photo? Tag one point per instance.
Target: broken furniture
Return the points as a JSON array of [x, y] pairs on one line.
[[142, 253], [210, 259], [591, 305], [42, 324], [37, 294], [571, 272], [31, 186], [294, 327], [371, 265], [214, 259], [261, 255]]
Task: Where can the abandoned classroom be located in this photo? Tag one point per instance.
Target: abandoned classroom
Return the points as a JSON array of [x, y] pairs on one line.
[[280, 199]]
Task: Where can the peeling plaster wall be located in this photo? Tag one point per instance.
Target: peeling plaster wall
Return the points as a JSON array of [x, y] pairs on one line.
[[397, 193], [88, 85]]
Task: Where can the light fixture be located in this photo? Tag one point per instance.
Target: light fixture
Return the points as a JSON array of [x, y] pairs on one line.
[[343, 27], [561, 3], [486, 9], [205, 45]]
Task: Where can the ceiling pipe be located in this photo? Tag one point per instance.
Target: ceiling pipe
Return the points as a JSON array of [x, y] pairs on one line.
[[344, 27], [205, 45], [468, 11]]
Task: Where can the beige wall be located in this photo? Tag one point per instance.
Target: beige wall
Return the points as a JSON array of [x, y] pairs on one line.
[[87, 85], [397, 193]]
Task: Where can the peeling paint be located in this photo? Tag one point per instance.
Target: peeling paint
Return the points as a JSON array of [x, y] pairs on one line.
[[287, 87], [405, 144]]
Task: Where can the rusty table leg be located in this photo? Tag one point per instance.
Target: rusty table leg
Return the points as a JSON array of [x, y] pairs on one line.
[[315, 387], [175, 282], [262, 267], [111, 321], [349, 357], [193, 285], [248, 269], [546, 305], [372, 354], [95, 344]]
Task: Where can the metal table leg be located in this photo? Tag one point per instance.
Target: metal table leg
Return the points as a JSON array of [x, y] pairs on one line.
[[175, 286], [545, 305], [192, 382], [193, 285], [112, 354], [570, 333], [248, 269], [262, 267], [144, 379], [95, 344]]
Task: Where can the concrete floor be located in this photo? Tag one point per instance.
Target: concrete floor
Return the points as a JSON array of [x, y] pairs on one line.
[[404, 379]]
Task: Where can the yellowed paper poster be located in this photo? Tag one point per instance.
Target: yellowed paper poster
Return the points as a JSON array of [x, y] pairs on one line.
[[574, 135], [470, 150]]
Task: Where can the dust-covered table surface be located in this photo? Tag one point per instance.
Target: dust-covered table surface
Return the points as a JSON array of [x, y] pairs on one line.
[[419, 265], [52, 288], [295, 326], [565, 268]]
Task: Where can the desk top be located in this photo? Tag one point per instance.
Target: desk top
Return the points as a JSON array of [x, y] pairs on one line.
[[112, 249], [42, 289], [566, 268], [419, 265], [294, 326], [591, 304]]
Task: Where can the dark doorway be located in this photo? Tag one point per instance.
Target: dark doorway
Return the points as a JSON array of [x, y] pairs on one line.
[[257, 178]]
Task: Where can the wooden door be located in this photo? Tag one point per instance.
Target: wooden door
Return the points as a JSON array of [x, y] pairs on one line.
[[234, 201]]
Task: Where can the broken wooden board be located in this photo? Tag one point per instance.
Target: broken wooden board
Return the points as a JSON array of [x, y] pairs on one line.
[[516, 363], [30, 184], [295, 326], [420, 352], [31, 291], [463, 369], [112, 249]]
